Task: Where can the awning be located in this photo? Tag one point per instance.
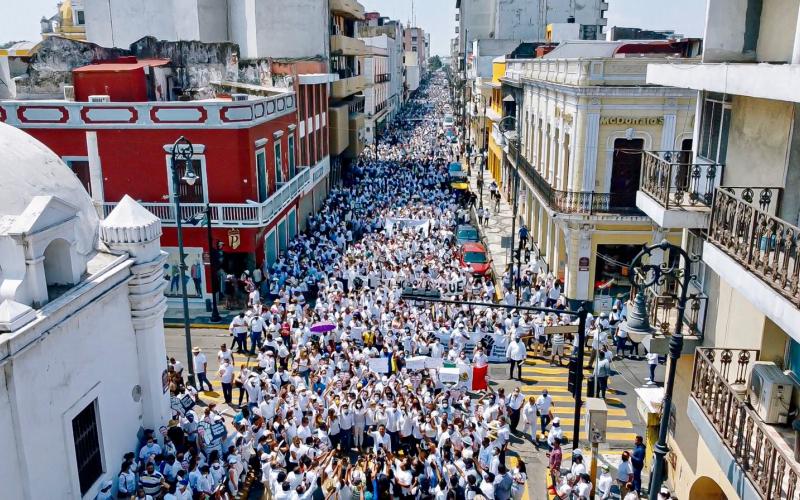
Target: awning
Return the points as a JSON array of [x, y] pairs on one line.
[[464, 186], [509, 98]]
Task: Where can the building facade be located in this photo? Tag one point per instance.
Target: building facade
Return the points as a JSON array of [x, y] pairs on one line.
[[252, 155], [584, 123], [74, 293], [393, 30], [735, 196], [376, 96]]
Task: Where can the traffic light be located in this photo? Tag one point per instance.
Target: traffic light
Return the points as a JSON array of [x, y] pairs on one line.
[[573, 374]]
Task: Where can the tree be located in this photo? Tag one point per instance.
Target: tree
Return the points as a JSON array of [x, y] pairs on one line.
[[434, 63]]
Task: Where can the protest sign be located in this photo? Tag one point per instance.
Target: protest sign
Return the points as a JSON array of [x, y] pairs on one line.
[[449, 375], [378, 365], [416, 362]]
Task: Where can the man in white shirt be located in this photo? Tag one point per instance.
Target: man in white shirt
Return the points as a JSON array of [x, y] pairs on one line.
[[226, 378], [257, 327], [238, 329], [514, 404], [516, 353], [544, 403], [604, 483], [200, 367], [381, 440]]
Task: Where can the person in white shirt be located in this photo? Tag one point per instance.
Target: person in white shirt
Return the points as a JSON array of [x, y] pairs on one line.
[[226, 378], [529, 412], [516, 353], [556, 432], [544, 405], [604, 483], [514, 408], [238, 329], [381, 440], [652, 363], [257, 327], [200, 368]]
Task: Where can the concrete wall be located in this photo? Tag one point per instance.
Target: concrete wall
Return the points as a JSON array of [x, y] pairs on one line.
[[54, 379], [119, 23], [727, 36], [211, 16], [776, 34], [476, 21], [758, 142], [297, 31]]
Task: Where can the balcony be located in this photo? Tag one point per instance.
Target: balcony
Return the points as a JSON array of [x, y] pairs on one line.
[[345, 87], [756, 253], [571, 202], [238, 215], [342, 45], [756, 457], [347, 8], [675, 192], [383, 77]]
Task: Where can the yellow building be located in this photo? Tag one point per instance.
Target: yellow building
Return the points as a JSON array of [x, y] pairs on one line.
[[744, 224], [585, 122], [494, 113], [69, 22]]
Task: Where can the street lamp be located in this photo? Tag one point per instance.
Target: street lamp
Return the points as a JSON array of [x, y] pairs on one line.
[[183, 151], [205, 216], [645, 275], [515, 189]]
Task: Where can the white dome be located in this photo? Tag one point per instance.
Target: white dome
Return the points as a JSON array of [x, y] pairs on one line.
[[28, 168]]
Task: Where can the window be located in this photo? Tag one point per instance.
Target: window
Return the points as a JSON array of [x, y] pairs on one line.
[[81, 169], [87, 447], [714, 126], [80, 19], [271, 248], [282, 242], [261, 175], [290, 146], [194, 193], [278, 164]]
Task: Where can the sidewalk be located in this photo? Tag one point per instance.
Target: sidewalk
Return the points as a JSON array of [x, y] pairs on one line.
[[499, 227]]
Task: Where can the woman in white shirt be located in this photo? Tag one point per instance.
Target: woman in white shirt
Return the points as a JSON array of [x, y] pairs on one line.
[[529, 415]]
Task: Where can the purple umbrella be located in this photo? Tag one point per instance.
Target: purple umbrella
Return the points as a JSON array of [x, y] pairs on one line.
[[322, 327]]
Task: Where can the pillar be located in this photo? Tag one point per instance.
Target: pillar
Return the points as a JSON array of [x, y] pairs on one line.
[[551, 262], [132, 229], [542, 231], [590, 150]]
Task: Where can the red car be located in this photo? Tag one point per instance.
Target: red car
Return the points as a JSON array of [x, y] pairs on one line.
[[475, 256]]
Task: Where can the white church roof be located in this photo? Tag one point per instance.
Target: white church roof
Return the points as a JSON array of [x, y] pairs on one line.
[[28, 169]]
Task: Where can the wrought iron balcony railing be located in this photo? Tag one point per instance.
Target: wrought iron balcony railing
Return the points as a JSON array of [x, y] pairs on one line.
[[575, 202], [755, 447], [762, 243], [663, 308], [670, 178]]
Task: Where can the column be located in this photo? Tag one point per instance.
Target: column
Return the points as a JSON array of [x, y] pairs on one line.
[[551, 257], [583, 263], [132, 229], [552, 144], [541, 237], [590, 151], [668, 133], [95, 167]]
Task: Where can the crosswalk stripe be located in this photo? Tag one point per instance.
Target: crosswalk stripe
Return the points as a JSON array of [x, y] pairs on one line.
[[617, 424], [567, 410]]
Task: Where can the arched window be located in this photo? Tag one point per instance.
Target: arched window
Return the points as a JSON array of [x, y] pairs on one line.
[[57, 267]]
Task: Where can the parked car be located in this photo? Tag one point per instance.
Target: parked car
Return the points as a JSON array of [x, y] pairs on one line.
[[451, 135], [456, 173], [475, 256], [448, 121], [467, 233]]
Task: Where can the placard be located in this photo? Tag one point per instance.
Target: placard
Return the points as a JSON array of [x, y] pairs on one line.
[[218, 430], [449, 375], [187, 402], [455, 287], [416, 362], [378, 365], [433, 363]]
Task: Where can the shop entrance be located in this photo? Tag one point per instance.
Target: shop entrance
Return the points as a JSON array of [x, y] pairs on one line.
[[626, 169], [612, 269]]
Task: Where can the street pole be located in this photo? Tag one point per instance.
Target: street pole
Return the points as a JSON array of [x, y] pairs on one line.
[[646, 275], [516, 205], [182, 149], [576, 424], [215, 317]]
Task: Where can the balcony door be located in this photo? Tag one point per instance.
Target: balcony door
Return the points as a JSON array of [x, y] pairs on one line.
[[625, 171]]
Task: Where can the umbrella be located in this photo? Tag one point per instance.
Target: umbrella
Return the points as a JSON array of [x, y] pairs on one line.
[[322, 327]]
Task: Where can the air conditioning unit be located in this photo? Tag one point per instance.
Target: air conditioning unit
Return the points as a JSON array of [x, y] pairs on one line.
[[770, 392], [240, 97], [69, 93], [99, 98]]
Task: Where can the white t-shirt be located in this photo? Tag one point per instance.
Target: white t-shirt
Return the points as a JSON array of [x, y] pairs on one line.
[[199, 361]]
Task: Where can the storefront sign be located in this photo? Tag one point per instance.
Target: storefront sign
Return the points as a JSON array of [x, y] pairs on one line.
[[234, 238], [583, 264], [622, 120]]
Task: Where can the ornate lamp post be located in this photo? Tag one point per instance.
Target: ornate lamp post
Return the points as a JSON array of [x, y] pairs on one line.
[[183, 151], [675, 268], [514, 190]]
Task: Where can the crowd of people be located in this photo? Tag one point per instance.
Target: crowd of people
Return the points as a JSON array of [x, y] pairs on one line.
[[347, 397]]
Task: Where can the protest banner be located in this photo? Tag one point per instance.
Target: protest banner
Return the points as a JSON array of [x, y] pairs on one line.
[[449, 375], [455, 287]]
